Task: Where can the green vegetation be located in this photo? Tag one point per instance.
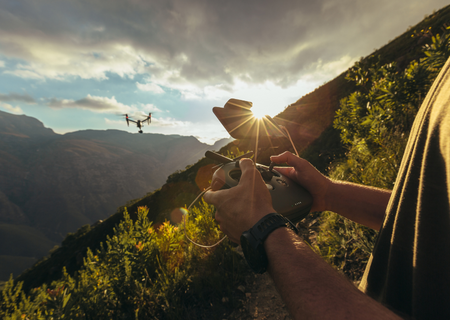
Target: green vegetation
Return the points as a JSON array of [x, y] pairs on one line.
[[143, 272], [374, 124], [139, 266]]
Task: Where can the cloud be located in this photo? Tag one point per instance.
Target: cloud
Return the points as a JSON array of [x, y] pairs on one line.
[[61, 60], [92, 103], [108, 105], [163, 123], [192, 45], [149, 108], [205, 132], [2, 64], [169, 122], [152, 87], [10, 108], [114, 122], [17, 97]]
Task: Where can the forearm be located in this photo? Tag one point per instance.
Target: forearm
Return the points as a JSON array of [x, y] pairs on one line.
[[363, 204], [309, 286]]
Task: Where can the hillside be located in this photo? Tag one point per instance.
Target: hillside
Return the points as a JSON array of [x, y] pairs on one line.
[[310, 117], [309, 122], [53, 184]]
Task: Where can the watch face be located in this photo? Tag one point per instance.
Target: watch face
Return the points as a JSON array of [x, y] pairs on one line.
[[254, 253], [252, 240]]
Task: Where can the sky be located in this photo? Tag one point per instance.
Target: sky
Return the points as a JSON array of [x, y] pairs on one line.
[[81, 64]]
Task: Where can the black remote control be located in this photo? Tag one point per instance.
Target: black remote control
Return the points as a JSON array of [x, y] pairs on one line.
[[288, 198]]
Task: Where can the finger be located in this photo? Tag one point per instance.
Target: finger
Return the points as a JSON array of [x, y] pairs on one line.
[[248, 171], [291, 160], [286, 171], [246, 164], [222, 228], [218, 218], [285, 157], [212, 197], [217, 184], [218, 180]]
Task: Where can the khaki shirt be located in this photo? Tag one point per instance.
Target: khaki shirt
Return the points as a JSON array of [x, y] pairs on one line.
[[409, 270]]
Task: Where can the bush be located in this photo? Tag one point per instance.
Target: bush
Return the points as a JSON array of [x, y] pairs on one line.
[[374, 123], [141, 272]]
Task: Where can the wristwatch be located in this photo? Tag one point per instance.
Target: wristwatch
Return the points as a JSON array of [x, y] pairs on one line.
[[252, 240]]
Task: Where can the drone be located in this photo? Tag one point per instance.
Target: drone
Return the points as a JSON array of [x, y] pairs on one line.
[[139, 123]]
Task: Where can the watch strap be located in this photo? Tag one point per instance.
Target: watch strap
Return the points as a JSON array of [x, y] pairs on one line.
[[254, 238], [267, 224]]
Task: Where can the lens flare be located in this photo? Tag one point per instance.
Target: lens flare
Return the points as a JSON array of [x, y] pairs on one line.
[[176, 216]]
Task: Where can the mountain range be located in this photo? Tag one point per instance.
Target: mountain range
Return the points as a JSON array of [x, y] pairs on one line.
[[308, 119], [52, 184]]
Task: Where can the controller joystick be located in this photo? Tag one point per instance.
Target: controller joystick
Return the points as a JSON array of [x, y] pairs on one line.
[[267, 174], [288, 198]]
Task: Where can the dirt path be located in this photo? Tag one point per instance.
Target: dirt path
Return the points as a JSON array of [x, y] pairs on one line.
[[262, 301]]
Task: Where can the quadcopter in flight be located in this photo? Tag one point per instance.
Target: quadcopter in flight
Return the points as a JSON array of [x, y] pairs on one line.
[[139, 123]]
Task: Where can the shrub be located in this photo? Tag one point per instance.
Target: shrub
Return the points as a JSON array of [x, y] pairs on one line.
[[374, 123], [141, 272]]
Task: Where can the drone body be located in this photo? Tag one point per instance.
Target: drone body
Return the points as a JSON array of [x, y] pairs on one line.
[[139, 123]]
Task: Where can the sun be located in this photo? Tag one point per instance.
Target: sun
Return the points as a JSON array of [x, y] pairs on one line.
[[259, 112]]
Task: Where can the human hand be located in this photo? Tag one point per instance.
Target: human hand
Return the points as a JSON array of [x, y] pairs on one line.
[[304, 173], [241, 207]]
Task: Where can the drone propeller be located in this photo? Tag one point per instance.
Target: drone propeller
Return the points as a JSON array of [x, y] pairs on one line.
[[139, 123], [126, 118]]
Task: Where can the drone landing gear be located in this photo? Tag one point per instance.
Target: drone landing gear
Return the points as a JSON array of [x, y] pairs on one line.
[[140, 131]]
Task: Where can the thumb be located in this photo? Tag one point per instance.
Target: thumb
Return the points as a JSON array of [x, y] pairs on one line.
[[248, 170], [285, 157]]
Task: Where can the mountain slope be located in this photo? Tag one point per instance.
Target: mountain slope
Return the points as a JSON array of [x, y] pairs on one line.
[[308, 120], [54, 184], [308, 117]]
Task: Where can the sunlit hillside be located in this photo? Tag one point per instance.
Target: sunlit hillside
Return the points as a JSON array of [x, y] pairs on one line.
[[138, 263]]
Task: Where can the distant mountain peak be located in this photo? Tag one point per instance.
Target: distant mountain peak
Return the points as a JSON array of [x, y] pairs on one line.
[[22, 126]]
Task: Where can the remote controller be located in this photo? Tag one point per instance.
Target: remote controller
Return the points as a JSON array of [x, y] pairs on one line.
[[288, 198]]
